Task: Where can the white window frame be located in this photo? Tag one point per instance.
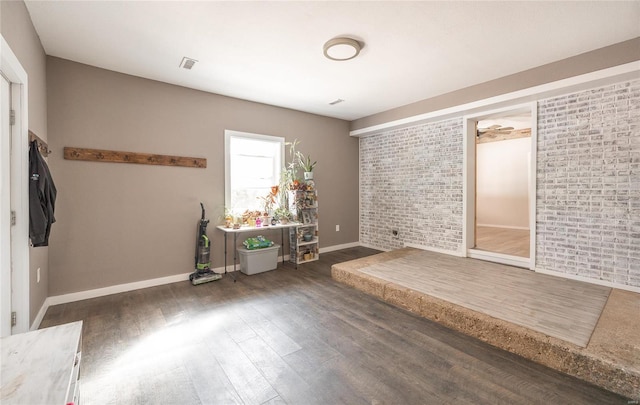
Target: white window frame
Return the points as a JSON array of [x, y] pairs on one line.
[[228, 134]]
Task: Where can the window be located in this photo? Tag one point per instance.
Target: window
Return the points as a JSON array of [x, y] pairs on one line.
[[252, 166]]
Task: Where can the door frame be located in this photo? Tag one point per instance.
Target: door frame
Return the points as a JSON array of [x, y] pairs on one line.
[[469, 187], [19, 287]]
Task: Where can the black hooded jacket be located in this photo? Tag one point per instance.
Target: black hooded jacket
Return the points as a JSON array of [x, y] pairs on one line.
[[42, 198]]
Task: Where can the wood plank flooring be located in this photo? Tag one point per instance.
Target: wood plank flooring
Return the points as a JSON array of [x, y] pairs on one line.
[[293, 337], [514, 242], [562, 308]]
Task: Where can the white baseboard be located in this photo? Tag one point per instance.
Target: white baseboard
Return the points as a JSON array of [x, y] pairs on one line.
[[115, 289], [339, 247], [524, 228], [366, 245], [40, 316], [436, 250], [500, 258], [589, 280]]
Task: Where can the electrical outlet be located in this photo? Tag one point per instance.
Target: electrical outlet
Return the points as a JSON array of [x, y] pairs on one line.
[[337, 228], [38, 275]]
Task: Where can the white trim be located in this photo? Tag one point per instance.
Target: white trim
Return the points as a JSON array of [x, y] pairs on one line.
[[11, 67], [339, 247], [533, 185], [582, 82], [499, 258], [468, 185], [366, 245], [137, 285], [523, 228], [589, 280], [5, 216], [40, 316], [115, 289], [228, 133], [436, 250]]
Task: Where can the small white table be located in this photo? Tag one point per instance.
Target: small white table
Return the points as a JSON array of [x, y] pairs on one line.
[[42, 366], [244, 229]]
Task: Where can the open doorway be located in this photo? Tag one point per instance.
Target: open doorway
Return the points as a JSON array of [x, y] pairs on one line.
[[500, 186], [503, 163]]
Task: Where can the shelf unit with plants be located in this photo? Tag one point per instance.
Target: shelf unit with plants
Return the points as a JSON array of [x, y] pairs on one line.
[[303, 238]]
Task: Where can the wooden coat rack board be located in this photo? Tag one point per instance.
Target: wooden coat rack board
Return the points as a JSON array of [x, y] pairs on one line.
[[42, 145], [112, 156]]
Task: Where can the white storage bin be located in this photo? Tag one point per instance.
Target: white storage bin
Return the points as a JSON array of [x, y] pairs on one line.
[[256, 261]]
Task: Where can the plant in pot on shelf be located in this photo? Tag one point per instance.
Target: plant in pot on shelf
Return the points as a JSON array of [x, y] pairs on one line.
[[283, 215], [307, 165]]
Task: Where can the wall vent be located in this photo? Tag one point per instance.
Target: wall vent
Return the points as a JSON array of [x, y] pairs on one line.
[[187, 63]]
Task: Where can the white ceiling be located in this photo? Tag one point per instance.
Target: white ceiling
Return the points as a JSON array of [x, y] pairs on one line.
[[271, 51]]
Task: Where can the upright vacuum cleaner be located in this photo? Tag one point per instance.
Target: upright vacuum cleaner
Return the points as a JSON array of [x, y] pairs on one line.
[[203, 273]]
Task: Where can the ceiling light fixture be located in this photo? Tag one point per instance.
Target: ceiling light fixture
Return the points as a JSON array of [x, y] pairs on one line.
[[342, 48]]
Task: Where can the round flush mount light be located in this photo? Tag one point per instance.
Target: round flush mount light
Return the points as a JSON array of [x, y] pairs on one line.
[[342, 48]]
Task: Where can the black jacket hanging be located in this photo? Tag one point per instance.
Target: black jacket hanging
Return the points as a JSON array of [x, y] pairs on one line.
[[42, 198]]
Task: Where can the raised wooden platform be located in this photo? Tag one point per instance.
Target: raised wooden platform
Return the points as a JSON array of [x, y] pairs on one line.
[[610, 358]]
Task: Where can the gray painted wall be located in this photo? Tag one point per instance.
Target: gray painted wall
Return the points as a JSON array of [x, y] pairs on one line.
[[122, 223], [18, 31]]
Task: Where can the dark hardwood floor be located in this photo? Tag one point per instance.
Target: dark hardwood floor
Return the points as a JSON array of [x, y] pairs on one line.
[[293, 337]]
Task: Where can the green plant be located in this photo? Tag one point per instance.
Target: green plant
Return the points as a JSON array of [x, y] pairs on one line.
[[294, 162], [305, 162], [282, 212], [283, 187]]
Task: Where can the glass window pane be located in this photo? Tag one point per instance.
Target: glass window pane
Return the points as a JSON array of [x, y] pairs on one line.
[[254, 166]]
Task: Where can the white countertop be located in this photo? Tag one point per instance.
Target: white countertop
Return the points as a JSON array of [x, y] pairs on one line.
[[37, 366], [258, 228]]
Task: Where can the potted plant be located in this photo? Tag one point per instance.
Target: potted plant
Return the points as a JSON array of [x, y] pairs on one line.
[[228, 218], [291, 169], [283, 215], [269, 200], [307, 165]]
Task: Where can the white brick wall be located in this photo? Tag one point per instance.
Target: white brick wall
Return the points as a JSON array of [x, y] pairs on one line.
[[411, 181], [588, 181]]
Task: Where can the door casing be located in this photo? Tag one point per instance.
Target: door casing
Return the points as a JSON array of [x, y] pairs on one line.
[[18, 288]]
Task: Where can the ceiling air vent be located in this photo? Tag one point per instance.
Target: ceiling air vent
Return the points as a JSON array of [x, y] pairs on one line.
[[338, 101], [187, 63]]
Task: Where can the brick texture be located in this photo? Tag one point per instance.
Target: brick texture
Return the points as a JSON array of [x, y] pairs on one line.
[[588, 184], [411, 181]]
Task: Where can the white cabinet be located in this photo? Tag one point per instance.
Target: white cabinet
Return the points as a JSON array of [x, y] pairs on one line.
[[303, 238], [42, 366]]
